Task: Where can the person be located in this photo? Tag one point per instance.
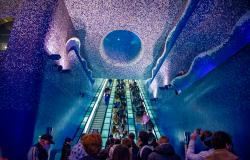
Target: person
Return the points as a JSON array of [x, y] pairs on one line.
[[222, 143], [206, 139], [111, 150], [110, 141], [134, 147], [152, 139], [66, 149], [39, 151], [106, 99], [110, 82], [164, 151], [115, 132], [145, 149], [78, 151], [92, 144], [121, 152], [145, 120], [126, 142]]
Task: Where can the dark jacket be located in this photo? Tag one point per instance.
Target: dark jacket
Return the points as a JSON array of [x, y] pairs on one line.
[[164, 152], [37, 152], [134, 151], [66, 151], [144, 152], [88, 157]]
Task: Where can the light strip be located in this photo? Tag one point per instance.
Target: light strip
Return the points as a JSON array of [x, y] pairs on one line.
[[95, 107]]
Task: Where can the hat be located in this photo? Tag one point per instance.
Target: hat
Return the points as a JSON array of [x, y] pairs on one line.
[[67, 139], [48, 138]]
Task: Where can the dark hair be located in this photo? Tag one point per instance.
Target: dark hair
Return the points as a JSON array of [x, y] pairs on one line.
[[121, 152], [143, 137], [220, 140], [67, 139], [126, 142], [131, 136], [117, 141], [206, 138]]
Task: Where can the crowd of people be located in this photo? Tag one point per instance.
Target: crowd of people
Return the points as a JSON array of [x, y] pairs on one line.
[[90, 148], [139, 107], [119, 117], [121, 145], [216, 146]]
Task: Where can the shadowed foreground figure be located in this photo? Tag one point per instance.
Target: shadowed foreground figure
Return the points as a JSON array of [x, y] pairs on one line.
[[222, 144], [40, 150], [66, 149], [164, 151]]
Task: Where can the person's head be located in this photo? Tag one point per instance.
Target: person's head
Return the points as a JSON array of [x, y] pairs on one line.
[[143, 138], [131, 136], [46, 140], [126, 142], [121, 152], [221, 140], [117, 141], [92, 143], [206, 138], [67, 140], [163, 140]]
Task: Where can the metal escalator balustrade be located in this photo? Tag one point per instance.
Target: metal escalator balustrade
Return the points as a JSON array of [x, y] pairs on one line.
[[149, 110], [94, 110], [87, 114], [99, 118]]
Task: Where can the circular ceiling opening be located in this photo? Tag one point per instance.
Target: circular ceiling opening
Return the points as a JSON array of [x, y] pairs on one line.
[[122, 45]]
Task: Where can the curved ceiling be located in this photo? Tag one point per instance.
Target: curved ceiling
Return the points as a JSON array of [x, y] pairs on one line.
[[148, 19], [209, 25]]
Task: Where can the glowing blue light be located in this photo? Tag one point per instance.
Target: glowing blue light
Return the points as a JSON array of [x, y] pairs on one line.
[[122, 45]]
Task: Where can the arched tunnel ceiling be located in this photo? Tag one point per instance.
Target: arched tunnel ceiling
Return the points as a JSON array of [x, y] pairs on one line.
[[148, 19], [151, 20]]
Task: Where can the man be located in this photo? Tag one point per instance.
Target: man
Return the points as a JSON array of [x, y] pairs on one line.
[[66, 149], [164, 151], [222, 145], [134, 147], [145, 149], [206, 139], [39, 151]]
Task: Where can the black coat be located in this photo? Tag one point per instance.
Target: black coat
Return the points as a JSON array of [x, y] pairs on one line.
[[164, 152], [66, 151]]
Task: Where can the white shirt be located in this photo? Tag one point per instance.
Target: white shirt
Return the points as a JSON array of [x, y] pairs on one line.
[[199, 156]]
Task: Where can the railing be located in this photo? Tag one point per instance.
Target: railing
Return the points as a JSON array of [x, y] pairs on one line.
[[82, 125], [148, 108]]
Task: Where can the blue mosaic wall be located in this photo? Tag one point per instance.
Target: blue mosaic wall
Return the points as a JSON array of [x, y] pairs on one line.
[[21, 74], [219, 101], [210, 25], [9, 8]]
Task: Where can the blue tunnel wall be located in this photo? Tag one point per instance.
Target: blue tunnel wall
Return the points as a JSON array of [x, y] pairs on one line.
[[219, 101]]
